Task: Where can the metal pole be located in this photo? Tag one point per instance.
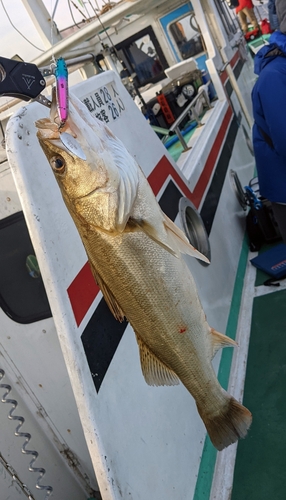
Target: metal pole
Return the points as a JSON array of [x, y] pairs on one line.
[[86, 32], [233, 82], [42, 22], [55, 8]]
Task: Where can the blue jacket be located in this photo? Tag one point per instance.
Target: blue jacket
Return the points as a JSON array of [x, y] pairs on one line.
[[269, 111]]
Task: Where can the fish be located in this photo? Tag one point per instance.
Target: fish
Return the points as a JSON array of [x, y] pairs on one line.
[[136, 256]]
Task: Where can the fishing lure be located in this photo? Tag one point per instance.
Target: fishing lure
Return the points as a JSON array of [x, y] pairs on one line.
[[61, 74]]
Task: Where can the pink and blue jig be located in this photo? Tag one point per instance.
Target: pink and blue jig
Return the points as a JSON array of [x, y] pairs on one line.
[[61, 74]]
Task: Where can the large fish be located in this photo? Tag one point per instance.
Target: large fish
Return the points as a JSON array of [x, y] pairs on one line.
[[134, 251]]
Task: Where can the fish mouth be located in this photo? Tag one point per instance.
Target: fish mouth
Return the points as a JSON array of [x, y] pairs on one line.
[[46, 130]]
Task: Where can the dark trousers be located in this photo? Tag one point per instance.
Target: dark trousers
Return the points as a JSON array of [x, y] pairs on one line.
[[279, 212]]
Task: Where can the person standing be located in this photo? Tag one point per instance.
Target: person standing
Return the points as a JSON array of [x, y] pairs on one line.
[[245, 11], [269, 111], [273, 19]]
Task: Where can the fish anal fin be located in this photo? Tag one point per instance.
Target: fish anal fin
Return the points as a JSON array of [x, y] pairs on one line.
[[227, 425], [108, 296], [218, 340], [180, 241], [154, 371]]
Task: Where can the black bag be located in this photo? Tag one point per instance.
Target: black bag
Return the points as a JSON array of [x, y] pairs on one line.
[[232, 4], [261, 226]]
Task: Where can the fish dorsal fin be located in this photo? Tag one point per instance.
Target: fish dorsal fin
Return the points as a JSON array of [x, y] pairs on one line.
[[218, 340], [154, 371], [179, 242], [108, 296]]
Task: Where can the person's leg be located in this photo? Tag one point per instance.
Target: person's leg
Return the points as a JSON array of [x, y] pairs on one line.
[[243, 20], [252, 17], [279, 212], [274, 23]]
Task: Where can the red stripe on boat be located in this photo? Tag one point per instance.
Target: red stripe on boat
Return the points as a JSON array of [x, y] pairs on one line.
[[164, 168], [82, 292]]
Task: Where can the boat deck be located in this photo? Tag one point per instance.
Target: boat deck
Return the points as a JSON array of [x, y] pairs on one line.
[[261, 461], [253, 468]]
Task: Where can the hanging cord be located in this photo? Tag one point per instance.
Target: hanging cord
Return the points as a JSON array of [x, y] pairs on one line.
[[10, 21], [40, 470], [197, 29], [107, 34], [94, 10], [76, 7], [3, 136], [72, 16]]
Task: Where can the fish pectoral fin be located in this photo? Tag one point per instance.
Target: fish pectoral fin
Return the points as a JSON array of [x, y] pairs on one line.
[[218, 340], [179, 242], [150, 231], [108, 296], [154, 371]]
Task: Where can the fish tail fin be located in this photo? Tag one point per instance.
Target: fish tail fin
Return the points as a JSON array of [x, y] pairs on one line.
[[227, 426]]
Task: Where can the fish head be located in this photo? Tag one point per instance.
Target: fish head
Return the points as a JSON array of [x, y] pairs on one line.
[[98, 185], [77, 177]]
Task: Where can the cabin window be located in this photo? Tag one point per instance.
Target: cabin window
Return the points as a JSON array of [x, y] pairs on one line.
[[22, 293], [186, 35], [141, 54]]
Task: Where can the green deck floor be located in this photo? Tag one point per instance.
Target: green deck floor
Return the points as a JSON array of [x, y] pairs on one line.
[[260, 470]]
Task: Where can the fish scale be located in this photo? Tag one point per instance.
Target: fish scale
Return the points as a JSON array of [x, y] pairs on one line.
[[144, 303]]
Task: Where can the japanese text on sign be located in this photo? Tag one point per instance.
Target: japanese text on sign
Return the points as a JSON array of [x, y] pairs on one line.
[[105, 103]]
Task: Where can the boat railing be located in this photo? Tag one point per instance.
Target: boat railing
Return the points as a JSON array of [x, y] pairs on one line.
[[190, 109]]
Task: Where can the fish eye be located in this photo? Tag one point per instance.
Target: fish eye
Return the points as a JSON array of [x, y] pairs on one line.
[[58, 164]]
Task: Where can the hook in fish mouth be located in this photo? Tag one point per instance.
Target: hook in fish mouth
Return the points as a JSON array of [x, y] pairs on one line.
[[64, 141], [72, 145], [58, 131]]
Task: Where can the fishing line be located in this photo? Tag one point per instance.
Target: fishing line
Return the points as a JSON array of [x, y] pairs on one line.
[[78, 9], [72, 16], [10, 21], [107, 34], [85, 7], [3, 135], [94, 10], [53, 11], [96, 2], [116, 53]]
